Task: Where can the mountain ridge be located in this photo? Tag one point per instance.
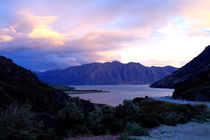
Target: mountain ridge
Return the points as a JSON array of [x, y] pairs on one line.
[[106, 73], [186, 71], [22, 86], [192, 81]]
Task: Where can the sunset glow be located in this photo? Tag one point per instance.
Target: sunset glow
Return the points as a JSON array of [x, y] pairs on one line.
[[51, 34]]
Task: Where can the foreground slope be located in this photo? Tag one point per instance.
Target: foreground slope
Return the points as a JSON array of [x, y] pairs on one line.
[[18, 85], [106, 74], [192, 81]]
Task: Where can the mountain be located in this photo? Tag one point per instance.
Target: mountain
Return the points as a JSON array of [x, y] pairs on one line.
[[192, 81], [18, 85], [109, 73]]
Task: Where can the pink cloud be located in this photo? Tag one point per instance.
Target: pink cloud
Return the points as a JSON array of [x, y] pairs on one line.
[[5, 38], [71, 28]]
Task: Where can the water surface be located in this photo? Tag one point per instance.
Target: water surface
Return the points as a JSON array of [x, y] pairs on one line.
[[118, 93]]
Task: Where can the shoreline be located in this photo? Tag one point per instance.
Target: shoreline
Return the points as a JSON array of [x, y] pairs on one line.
[[169, 99], [72, 92]]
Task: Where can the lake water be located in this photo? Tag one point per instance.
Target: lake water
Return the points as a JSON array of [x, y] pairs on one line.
[[118, 93]]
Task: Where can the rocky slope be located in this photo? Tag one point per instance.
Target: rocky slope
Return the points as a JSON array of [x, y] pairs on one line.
[[106, 74], [18, 85], [192, 81], [197, 88]]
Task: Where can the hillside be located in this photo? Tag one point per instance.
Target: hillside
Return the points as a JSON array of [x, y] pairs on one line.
[[106, 74], [54, 115], [192, 81], [18, 85]]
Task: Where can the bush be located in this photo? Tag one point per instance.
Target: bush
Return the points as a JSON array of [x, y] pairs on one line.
[[150, 120], [184, 112], [94, 122], [181, 118], [109, 122], [179, 113], [102, 121], [128, 111], [200, 118], [148, 105], [70, 119], [124, 136], [71, 113], [207, 115], [18, 122], [76, 129], [134, 129], [199, 109], [107, 109], [170, 118]]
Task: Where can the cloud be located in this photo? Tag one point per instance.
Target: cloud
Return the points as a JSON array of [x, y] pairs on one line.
[[197, 14], [67, 32], [39, 34], [163, 62], [5, 38], [101, 40], [41, 29]]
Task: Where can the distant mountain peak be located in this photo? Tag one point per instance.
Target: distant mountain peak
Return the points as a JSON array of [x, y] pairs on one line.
[[116, 62], [106, 73]]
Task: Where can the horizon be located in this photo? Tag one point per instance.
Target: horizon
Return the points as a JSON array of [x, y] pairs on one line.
[[104, 63], [45, 35]]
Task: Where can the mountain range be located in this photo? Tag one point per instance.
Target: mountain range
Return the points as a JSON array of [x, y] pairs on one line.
[[192, 81], [109, 73]]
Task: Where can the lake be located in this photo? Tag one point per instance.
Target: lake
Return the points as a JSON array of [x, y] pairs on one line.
[[118, 93]]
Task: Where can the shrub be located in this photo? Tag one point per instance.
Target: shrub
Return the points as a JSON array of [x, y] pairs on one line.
[[134, 129], [150, 120], [107, 109], [76, 129], [200, 118], [199, 109], [18, 122], [102, 121], [207, 115], [128, 111], [70, 117], [124, 136], [148, 105], [184, 112], [94, 122], [170, 118], [75, 100], [181, 118], [109, 122], [71, 113], [189, 111]]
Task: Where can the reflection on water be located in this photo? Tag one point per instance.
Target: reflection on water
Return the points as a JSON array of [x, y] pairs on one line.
[[118, 93]]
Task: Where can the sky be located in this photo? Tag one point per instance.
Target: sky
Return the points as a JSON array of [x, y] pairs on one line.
[[42, 35]]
